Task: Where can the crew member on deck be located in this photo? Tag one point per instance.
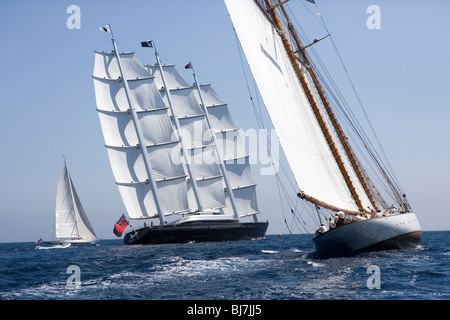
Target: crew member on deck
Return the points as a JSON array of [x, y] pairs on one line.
[[321, 230], [332, 222], [341, 218]]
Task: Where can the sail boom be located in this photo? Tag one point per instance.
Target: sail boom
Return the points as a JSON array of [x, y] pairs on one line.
[[236, 158], [325, 205], [122, 147], [113, 111], [128, 111], [192, 116], [157, 144], [203, 146], [120, 79], [180, 88], [217, 105], [248, 214], [112, 53], [209, 178], [243, 187], [189, 211], [227, 130], [132, 183]]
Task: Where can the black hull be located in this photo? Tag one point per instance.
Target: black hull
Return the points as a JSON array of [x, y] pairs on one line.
[[198, 232]]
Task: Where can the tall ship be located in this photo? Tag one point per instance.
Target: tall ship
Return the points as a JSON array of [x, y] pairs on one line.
[[71, 222], [175, 153], [330, 176]]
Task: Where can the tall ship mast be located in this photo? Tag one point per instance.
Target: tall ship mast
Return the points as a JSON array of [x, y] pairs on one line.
[[326, 170], [175, 153]]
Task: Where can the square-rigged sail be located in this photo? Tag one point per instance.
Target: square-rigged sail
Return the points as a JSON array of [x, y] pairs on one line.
[[159, 141], [228, 142], [126, 153]]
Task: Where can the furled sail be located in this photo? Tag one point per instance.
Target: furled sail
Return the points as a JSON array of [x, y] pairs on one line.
[[160, 145], [317, 171], [71, 219]]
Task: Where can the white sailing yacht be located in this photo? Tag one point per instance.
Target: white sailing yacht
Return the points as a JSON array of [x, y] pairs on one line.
[[175, 153], [328, 173], [71, 224]]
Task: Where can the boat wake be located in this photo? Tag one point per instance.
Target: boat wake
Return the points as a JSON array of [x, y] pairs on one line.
[[58, 246]]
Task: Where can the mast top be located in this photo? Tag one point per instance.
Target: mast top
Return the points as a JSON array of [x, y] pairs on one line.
[[107, 28]]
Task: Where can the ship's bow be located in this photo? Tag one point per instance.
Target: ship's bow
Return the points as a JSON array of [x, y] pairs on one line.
[[400, 231]]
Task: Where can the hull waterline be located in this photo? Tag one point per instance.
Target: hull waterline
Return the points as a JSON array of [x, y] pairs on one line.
[[72, 241], [199, 232], [401, 231]]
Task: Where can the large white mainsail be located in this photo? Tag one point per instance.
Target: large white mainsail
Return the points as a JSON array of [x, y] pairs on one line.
[[326, 170], [309, 155], [159, 142], [71, 221]]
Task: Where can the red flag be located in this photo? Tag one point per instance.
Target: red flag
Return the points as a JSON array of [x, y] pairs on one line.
[[120, 226]]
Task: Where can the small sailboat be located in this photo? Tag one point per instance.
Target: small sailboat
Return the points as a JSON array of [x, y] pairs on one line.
[[72, 225], [329, 175], [175, 153]]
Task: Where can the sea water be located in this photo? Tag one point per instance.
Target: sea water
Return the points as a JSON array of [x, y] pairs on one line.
[[274, 268]]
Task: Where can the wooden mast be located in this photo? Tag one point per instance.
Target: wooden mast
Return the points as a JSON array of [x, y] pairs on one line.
[[293, 59], [330, 112]]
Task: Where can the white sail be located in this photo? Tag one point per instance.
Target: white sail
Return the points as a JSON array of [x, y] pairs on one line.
[[307, 151], [160, 143], [188, 108], [164, 153], [71, 220], [232, 152]]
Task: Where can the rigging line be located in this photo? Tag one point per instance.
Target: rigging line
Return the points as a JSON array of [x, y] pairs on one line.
[[289, 201], [312, 14], [124, 45], [280, 185], [282, 209], [347, 111], [359, 100], [390, 173], [363, 146], [361, 132], [297, 216], [259, 118], [260, 121], [353, 121]]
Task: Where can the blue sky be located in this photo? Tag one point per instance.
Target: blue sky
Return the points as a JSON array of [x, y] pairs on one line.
[[48, 106]]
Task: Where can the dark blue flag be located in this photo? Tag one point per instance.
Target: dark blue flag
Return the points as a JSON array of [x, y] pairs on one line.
[[148, 44]]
